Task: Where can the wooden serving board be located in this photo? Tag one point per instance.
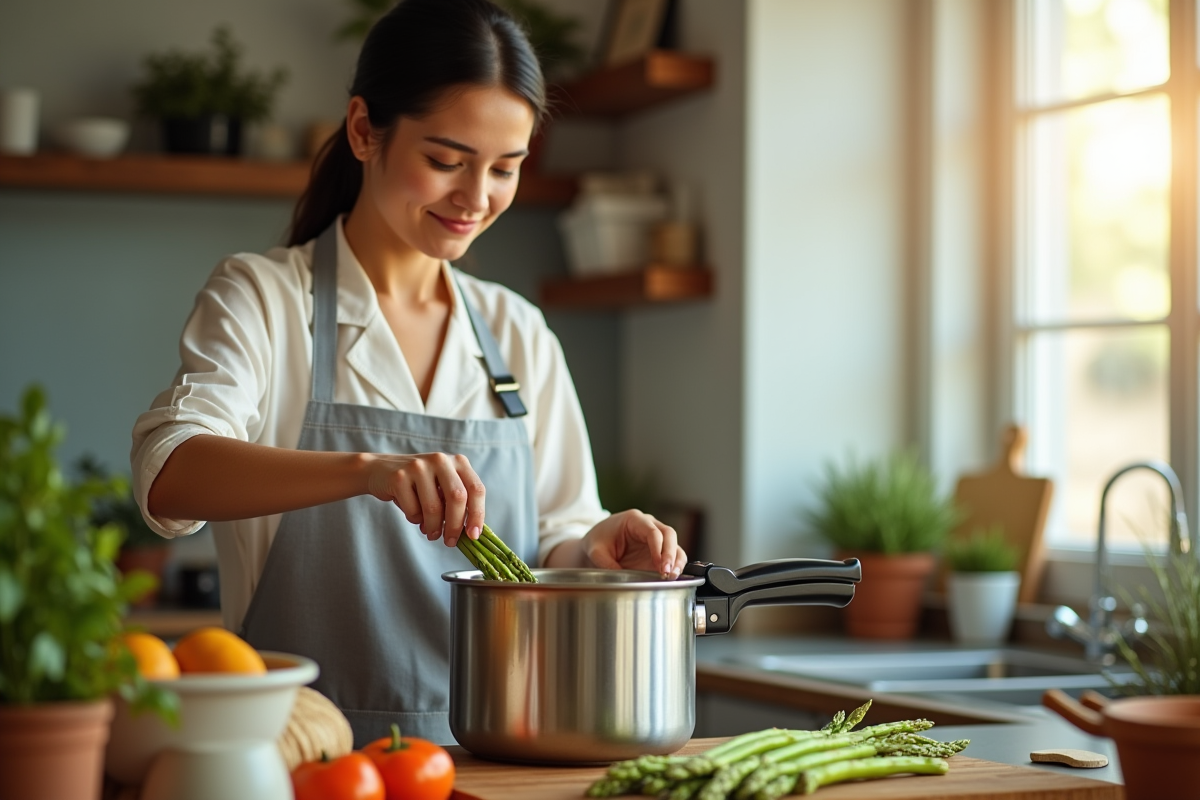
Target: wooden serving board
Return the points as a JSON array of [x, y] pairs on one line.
[[1019, 504], [968, 779]]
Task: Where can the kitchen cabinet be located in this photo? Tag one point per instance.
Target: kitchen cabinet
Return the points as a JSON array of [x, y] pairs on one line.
[[615, 93]]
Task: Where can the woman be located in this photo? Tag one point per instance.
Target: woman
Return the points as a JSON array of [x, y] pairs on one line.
[[338, 394]]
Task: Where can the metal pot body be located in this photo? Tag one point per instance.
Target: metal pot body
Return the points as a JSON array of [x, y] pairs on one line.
[[586, 666]]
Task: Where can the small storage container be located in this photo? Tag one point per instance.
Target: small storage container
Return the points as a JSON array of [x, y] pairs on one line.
[[606, 233]]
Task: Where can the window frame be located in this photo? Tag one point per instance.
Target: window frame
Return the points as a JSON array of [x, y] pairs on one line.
[[1008, 206]]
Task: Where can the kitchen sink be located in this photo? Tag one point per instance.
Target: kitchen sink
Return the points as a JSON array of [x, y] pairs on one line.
[[1006, 675]]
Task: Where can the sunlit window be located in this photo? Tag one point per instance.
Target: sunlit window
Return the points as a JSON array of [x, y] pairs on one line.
[[1093, 288]]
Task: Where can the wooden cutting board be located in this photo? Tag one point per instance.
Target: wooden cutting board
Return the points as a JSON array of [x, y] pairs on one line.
[[1019, 504], [968, 779]]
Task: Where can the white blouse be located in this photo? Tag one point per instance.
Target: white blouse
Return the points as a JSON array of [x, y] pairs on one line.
[[247, 370]]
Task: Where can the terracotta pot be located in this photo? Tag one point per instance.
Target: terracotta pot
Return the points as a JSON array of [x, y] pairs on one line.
[[887, 603], [1157, 738], [53, 751], [150, 559]]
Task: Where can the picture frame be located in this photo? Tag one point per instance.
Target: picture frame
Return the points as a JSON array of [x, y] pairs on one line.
[[635, 27]]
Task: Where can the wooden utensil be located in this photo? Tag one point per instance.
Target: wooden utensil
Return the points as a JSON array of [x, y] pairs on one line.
[[1017, 503]]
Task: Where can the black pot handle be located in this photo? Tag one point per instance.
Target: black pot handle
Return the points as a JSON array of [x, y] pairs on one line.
[[788, 581]]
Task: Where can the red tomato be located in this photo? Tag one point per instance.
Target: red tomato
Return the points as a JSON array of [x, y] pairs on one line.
[[412, 769], [351, 777]]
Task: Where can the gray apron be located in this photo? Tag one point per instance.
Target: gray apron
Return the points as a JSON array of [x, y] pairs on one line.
[[354, 585]]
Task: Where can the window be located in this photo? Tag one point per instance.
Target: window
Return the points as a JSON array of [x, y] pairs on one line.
[[1104, 312]]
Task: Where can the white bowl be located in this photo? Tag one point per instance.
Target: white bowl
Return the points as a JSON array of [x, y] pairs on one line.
[[224, 748], [94, 137]]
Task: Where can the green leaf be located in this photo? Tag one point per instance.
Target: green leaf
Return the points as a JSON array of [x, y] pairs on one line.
[[136, 585], [11, 595], [47, 657], [107, 543]]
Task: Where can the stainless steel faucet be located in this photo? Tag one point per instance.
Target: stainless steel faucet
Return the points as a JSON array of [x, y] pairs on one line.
[[1099, 634]]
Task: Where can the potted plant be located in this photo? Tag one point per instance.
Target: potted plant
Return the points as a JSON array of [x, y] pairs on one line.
[[203, 101], [981, 586], [889, 515], [141, 548], [61, 604]]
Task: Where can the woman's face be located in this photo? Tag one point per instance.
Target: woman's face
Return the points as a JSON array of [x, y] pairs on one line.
[[443, 179]]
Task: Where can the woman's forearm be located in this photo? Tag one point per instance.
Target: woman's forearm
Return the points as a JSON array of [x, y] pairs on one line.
[[217, 478]]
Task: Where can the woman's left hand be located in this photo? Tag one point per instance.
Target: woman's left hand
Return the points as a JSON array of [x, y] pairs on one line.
[[635, 540]]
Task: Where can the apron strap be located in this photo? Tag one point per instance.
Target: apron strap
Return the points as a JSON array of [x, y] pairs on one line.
[[324, 324], [504, 385], [324, 332]]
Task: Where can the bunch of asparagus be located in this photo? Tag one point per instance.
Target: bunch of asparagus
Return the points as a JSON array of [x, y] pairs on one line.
[[491, 556], [768, 764]]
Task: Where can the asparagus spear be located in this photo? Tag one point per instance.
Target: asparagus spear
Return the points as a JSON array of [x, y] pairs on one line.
[[686, 790], [768, 773], [656, 784], [727, 778], [494, 559], [860, 768], [513, 558], [835, 724], [777, 788], [610, 787], [854, 717], [703, 764]]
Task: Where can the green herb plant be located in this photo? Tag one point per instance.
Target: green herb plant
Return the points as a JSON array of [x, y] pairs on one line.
[[889, 506], [120, 509], [551, 35], [61, 599], [1172, 661], [983, 551], [194, 85]]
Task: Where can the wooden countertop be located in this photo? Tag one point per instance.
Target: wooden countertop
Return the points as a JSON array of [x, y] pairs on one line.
[[968, 779]]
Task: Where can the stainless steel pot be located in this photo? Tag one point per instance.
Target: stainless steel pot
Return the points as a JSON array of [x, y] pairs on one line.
[[593, 666]]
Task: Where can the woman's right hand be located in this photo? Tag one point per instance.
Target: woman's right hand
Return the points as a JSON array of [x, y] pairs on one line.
[[439, 492]]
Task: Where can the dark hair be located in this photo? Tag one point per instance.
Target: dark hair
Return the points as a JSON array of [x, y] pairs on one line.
[[416, 52]]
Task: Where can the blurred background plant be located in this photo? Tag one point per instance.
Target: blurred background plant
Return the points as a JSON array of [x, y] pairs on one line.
[[62, 601], [985, 550], [552, 35], [890, 506], [1171, 664], [622, 489], [193, 85]]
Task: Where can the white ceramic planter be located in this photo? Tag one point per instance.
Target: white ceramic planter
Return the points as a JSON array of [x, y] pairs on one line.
[[981, 605], [225, 747]]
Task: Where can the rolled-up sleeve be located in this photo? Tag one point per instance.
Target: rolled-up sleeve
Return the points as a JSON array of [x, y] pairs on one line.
[[225, 355]]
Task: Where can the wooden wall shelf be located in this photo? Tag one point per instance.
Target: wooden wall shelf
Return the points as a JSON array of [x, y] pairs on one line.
[[203, 175], [653, 285], [155, 174], [658, 77]]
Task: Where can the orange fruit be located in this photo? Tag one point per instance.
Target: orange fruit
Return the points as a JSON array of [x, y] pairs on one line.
[[217, 650], [153, 657]]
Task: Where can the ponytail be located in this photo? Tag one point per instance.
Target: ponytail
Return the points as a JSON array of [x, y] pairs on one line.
[[411, 57], [332, 189]]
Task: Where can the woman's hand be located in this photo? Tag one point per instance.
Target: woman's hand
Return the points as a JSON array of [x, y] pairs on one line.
[[635, 540], [437, 491]]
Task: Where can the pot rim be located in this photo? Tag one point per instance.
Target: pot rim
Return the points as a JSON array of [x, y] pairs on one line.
[[605, 580]]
